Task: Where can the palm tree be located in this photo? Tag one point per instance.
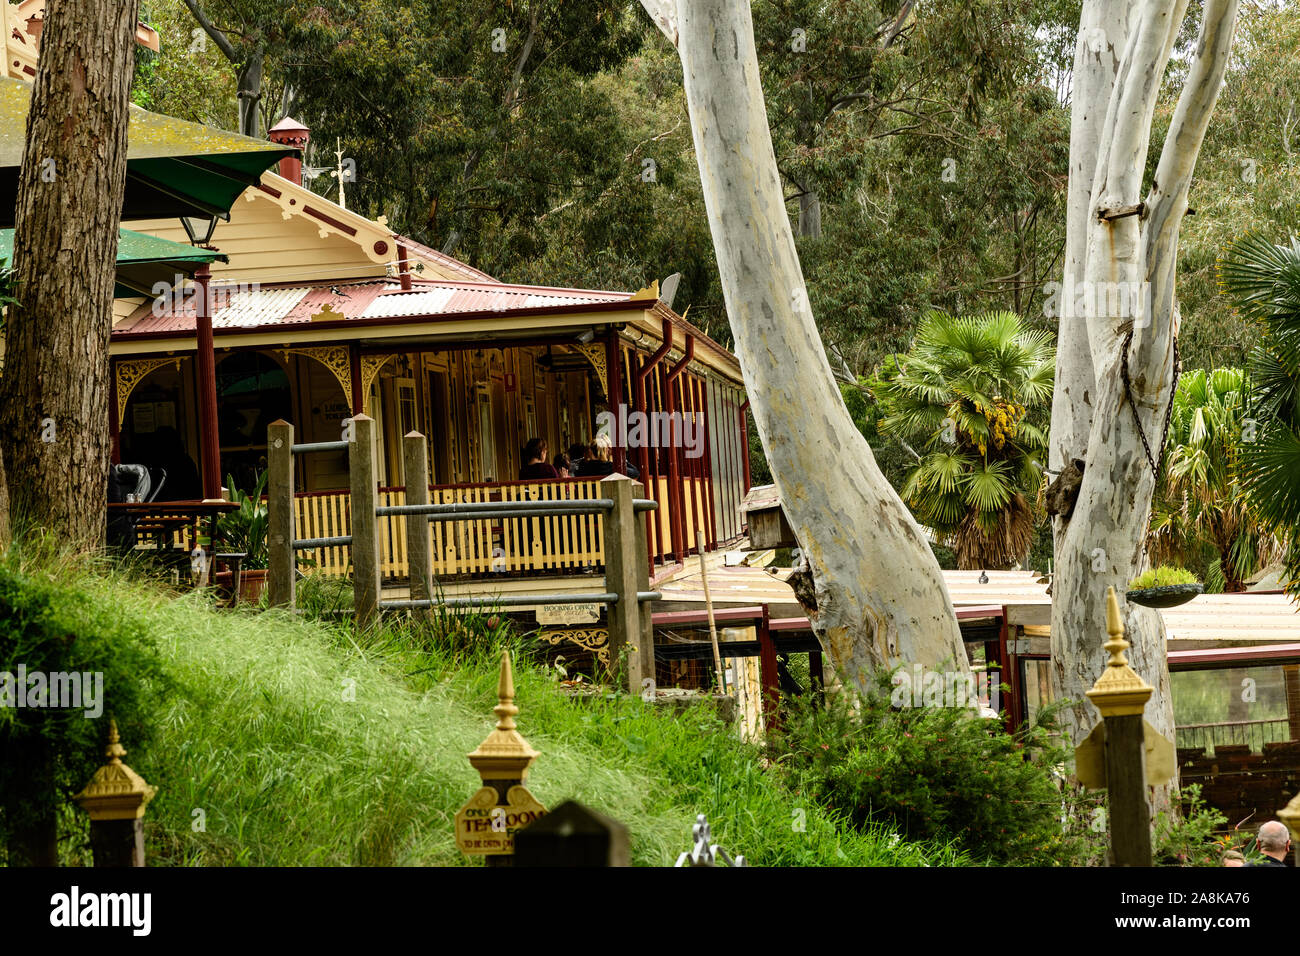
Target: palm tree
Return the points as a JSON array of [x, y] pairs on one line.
[[1202, 502], [1264, 279], [971, 402]]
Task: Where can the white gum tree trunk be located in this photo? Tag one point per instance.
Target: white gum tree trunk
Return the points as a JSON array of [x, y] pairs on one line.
[[881, 598], [1122, 271]]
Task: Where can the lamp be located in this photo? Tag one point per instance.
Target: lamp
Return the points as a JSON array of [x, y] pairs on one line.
[[585, 336], [199, 229]]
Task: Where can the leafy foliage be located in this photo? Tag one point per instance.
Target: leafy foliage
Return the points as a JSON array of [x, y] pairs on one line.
[[1201, 504], [934, 773], [971, 400], [50, 624], [244, 529], [1263, 278]]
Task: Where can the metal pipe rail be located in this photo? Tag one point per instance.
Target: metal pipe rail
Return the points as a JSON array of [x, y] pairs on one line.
[[319, 446], [311, 544], [517, 600]]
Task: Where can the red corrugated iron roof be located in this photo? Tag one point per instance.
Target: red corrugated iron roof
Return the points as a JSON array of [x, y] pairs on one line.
[[292, 304]]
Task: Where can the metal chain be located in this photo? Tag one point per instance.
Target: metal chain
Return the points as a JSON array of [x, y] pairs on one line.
[[1128, 391]]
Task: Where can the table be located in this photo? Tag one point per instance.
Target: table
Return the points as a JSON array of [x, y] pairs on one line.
[[174, 515]]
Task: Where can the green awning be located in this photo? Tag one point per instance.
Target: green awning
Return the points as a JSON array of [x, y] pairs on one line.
[[142, 261], [174, 167]]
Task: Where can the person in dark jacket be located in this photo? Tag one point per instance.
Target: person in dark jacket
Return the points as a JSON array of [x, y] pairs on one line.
[[1274, 841], [535, 465]]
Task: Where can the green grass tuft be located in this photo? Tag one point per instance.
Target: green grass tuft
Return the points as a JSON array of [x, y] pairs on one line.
[[304, 743]]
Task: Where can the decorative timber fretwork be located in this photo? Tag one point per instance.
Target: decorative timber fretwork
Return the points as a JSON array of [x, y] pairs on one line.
[[370, 366], [593, 639], [334, 357], [595, 354], [128, 373]]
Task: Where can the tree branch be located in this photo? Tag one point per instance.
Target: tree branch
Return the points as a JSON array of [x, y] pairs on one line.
[[218, 35], [664, 14]]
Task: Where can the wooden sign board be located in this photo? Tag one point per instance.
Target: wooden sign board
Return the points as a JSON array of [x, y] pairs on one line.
[[484, 828], [568, 613], [1090, 758]]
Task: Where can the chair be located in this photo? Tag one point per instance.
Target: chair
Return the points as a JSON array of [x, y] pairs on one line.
[[138, 483]]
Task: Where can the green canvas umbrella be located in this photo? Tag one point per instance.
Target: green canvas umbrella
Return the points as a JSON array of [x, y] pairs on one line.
[[174, 167], [142, 261]]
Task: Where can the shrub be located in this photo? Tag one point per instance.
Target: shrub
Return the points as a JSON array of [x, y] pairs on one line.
[[934, 773], [1187, 838], [51, 623]]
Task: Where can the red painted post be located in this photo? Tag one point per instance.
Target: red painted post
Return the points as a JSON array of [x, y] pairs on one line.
[[403, 269], [207, 385], [674, 475], [706, 460], [614, 379], [655, 543], [114, 426]]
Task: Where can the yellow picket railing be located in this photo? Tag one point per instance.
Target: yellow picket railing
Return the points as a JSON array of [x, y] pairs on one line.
[[464, 547]]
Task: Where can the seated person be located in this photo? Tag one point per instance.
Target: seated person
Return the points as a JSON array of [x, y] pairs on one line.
[[598, 462], [535, 465], [563, 466]]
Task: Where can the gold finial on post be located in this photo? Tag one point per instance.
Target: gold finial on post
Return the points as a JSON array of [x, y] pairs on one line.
[[1119, 691], [115, 792], [505, 708], [504, 755], [486, 825], [115, 799]]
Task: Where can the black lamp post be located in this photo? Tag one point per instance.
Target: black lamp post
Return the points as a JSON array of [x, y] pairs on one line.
[[200, 230]]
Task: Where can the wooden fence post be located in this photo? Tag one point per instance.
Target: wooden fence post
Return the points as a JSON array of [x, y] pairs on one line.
[[415, 460], [279, 505], [365, 524], [1121, 696], [624, 554], [116, 798]]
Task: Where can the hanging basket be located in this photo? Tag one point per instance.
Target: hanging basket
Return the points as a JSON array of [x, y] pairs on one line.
[[1170, 595]]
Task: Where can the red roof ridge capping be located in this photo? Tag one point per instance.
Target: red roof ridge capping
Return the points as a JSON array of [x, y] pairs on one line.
[[428, 252], [424, 285]]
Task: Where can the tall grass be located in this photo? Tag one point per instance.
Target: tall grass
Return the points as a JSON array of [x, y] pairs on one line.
[[289, 741]]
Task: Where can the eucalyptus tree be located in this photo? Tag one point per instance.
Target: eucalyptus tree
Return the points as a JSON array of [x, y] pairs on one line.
[[1119, 319], [880, 596]]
